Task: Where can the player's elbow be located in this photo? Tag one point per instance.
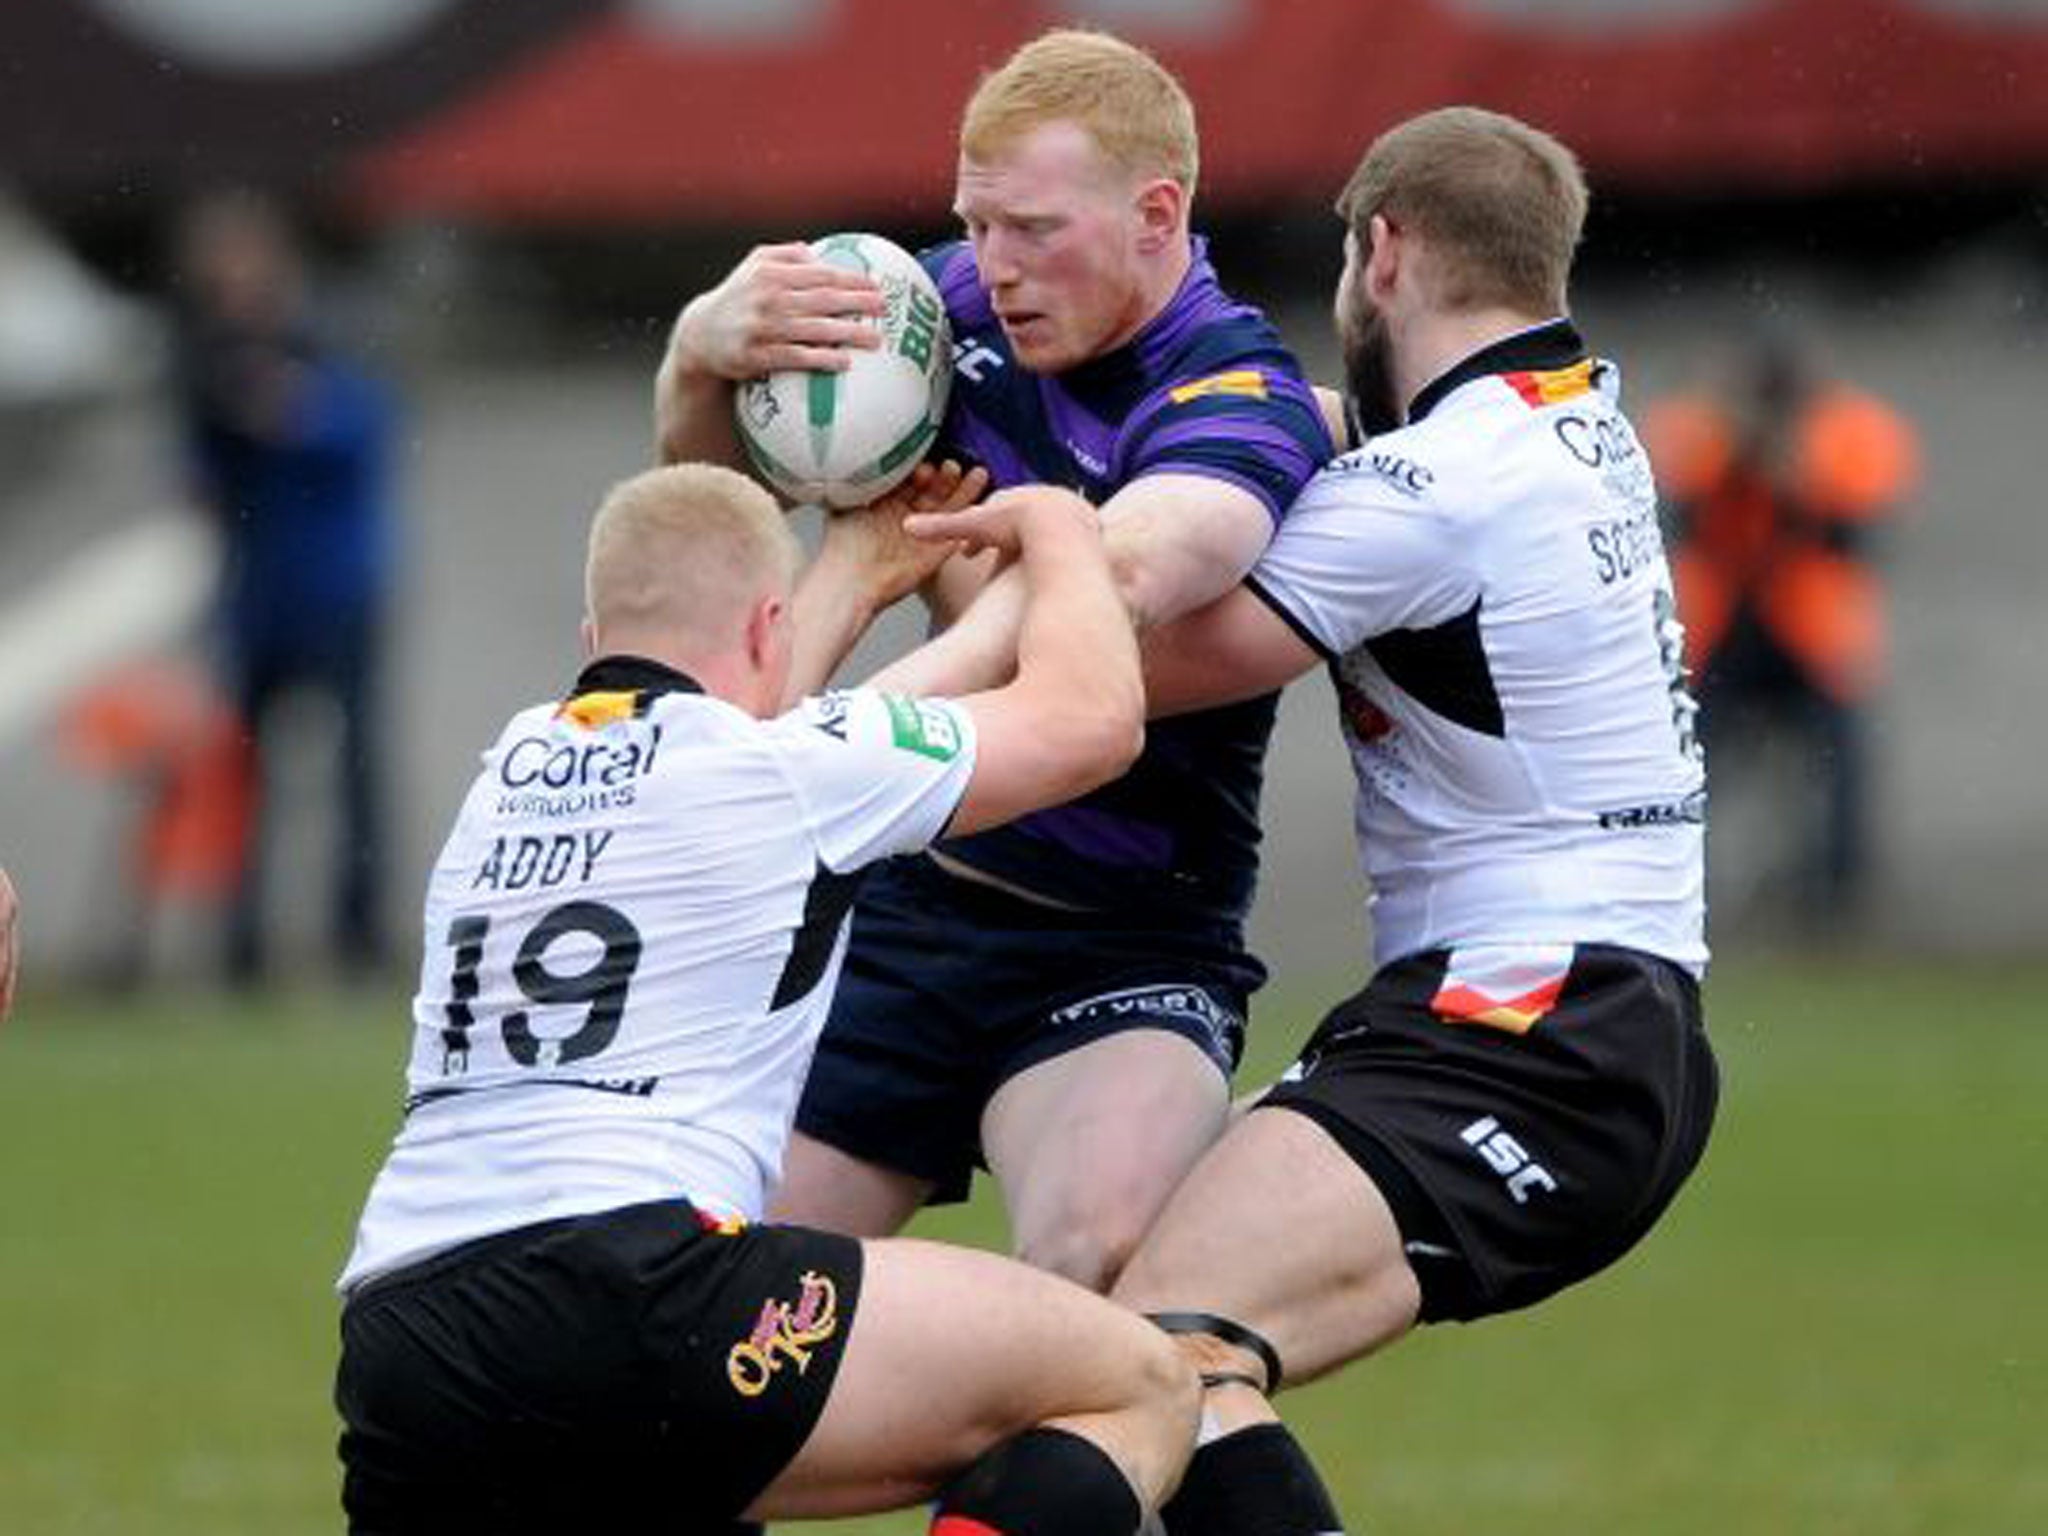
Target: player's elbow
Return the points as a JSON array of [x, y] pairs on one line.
[[1103, 738], [1115, 740], [1158, 583], [1043, 746], [1124, 710], [1141, 582], [1125, 739]]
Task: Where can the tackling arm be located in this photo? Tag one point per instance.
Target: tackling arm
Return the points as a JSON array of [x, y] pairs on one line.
[[1177, 541], [1235, 648], [1174, 542], [865, 564], [1073, 716]]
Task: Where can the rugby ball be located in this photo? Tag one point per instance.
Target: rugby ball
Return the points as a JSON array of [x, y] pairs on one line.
[[842, 439]]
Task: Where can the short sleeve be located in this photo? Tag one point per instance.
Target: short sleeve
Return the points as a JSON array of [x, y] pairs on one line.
[[876, 774], [1252, 424], [1358, 557]]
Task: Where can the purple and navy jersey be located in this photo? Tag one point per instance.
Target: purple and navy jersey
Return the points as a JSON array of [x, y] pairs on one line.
[[1206, 388]]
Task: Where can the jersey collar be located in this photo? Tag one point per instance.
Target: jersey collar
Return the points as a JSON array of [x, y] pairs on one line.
[[632, 674], [1553, 344]]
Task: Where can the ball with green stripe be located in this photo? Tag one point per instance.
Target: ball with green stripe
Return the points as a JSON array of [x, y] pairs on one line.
[[841, 439]]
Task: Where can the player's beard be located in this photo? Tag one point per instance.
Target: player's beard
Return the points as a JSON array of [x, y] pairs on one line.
[[1368, 370]]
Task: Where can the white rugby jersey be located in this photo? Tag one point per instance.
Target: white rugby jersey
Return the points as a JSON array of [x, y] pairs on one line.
[[632, 938], [1489, 585]]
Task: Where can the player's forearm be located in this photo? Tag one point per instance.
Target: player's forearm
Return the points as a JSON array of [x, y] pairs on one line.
[[952, 589], [1177, 543], [829, 612], [1075, 646], [692, 407], [977, 653]]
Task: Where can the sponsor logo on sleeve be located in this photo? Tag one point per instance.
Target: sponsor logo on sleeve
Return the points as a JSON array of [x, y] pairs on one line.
[[827, 713], [921, 727]]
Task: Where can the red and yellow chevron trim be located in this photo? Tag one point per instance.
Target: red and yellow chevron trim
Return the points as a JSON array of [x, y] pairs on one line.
[[1552, 385], [1248, 382], [720, 1224], [1502, 987]]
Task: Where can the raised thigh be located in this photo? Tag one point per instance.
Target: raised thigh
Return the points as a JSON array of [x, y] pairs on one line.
[[1277, 1229], [1518, 1156], [952, 989], [823, 1186], [1087, 1145], [901, 1070], [953, 1350]]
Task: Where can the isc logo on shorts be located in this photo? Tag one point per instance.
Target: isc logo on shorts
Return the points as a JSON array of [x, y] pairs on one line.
[[1507, 1157]]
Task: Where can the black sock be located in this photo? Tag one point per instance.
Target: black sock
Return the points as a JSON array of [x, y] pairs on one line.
[[1046, 1482], [1256, 1482]]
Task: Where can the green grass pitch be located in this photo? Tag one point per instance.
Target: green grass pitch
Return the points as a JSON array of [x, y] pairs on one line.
[[1840, 1327]]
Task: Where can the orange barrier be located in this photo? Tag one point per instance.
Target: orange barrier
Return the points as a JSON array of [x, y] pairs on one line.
[[161, 726]]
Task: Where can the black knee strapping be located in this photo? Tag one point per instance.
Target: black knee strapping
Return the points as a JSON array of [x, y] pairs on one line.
[[1224, 1331]]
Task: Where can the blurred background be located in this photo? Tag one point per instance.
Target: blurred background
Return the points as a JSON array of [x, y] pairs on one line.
[[397, 273], [500, 206]]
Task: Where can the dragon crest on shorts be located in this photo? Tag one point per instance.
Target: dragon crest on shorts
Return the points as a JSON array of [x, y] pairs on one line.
[[785, 1331]]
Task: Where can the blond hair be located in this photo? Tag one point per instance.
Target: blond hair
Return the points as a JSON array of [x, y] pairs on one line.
[[1499, 203], [1124, 99], [685, 551]]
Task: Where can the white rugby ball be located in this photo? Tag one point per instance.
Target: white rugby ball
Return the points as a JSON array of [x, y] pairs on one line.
[[842, 439]]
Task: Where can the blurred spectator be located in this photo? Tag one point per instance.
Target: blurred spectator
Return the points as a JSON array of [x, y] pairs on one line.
[[288, 447], [161, 726], [1777, 490]]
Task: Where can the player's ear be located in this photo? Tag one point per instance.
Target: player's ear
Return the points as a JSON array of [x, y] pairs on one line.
[[1388, 249], [1162, 208], [765, 620]]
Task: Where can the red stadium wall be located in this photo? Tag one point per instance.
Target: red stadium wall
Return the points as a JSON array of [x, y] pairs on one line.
[[632, 110]]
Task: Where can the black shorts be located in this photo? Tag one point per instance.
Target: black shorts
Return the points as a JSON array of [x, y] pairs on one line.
[[952, 987], [630, 1371], [1516, 1164]]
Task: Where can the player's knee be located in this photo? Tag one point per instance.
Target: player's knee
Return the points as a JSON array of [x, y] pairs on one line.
[[1074, 1256], [1168, 1405], [1089, 1242]]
